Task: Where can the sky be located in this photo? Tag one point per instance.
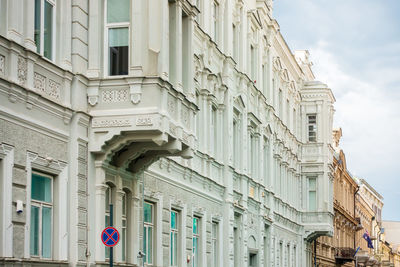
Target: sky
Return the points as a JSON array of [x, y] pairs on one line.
[[355, 49]]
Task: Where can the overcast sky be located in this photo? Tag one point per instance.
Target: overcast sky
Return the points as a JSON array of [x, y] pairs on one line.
[[355, 48]]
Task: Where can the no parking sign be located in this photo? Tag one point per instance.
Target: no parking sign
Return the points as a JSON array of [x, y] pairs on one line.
[[110, 236]]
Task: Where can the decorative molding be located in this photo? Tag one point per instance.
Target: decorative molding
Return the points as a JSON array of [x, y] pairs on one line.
[[22, 70], [2, 61], [114, 95], [39, 82], [93, 100], [53, 90], [117, 122]]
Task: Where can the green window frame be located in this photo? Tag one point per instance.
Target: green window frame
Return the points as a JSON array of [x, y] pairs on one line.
[[148, 232], [174, 232], [41, 224]]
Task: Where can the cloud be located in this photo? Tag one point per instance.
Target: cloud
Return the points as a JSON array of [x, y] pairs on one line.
[[355, 48]]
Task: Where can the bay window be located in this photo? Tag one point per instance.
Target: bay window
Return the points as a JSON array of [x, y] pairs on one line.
[[41, 216], [117, 32]]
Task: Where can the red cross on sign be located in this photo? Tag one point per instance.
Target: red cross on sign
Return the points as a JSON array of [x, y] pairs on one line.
[[110, 236]]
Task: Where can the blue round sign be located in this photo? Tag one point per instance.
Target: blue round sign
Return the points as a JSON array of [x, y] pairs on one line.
[[110, 236]]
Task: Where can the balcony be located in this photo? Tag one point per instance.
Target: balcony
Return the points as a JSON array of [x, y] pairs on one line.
[[136, 120], [317, 224], [362, 257], [344, 255]]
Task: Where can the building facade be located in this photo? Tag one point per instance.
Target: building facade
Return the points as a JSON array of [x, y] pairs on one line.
[[369, 204], [339, 250], [209, 137]]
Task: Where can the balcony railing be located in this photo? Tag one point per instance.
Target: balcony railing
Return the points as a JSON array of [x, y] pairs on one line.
[[343, 255]]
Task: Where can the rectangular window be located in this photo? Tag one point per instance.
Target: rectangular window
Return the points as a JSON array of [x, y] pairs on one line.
[[280, 104], [214, 131], [312, 127], [174, 239], [235, 42], [214, 24], [41, 216], [44, 21], [196, 238], [253, 62], [264, 81], [312, 193], [148, 232], [123, 228], [235, 143], [214, 243], [117, 30]]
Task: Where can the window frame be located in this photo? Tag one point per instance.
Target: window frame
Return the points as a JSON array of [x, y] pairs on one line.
[[53, 28], [175, 232], [107, 27], [124, 227], [149, 225], [314, 124], [196, 237], [40, 204], [215, 21], [107, 213], [309, 190], [215, 243]]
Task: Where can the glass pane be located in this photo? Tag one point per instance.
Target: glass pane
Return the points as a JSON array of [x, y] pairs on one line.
[[46, 232], [214, 230], [41, 188], [312, 200], [148, 212], [312, 184], [150, 246], [34, 242], [48, 30], [123, 236], [107, 200], [175, 248], [195, 225], [118, 40], [118, 11], [173, 220], [172, 249], [145, 242], [37, 25], [107, 220], [124, 204]]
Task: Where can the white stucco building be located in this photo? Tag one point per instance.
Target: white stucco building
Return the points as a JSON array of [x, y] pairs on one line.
[[194, 118]]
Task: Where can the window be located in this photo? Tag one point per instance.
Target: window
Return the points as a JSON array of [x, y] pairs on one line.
[[280, 104], [235, 143], [214, 23], [108, 201], [196, 238], [174, 239], [312, 193], [214, 131], [44, 21], [148, 232], [253, 62], [41, 216], [117, 31], [312, 127], [214, 243], [123, 228]]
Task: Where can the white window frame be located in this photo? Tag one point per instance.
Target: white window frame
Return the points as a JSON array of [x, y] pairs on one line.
[[215, 243], [53, 27], [149, 225], [311, 124], [214, 130], [174, 231], [312, 190], [40, 205], [106, 54], [124, 226], [215, 21]]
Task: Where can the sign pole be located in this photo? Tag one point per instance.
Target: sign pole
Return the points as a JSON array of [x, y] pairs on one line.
[[111, 224]]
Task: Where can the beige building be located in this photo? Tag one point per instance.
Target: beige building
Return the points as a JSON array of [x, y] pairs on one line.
[[339, 249]]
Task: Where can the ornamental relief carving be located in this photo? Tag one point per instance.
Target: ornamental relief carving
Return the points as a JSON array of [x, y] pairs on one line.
[[54, 90], [2, 60], [22, 70], [39, 82], [114, 95]]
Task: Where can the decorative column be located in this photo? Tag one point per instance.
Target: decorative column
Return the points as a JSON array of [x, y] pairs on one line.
[[29, 22], [100, 212]]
